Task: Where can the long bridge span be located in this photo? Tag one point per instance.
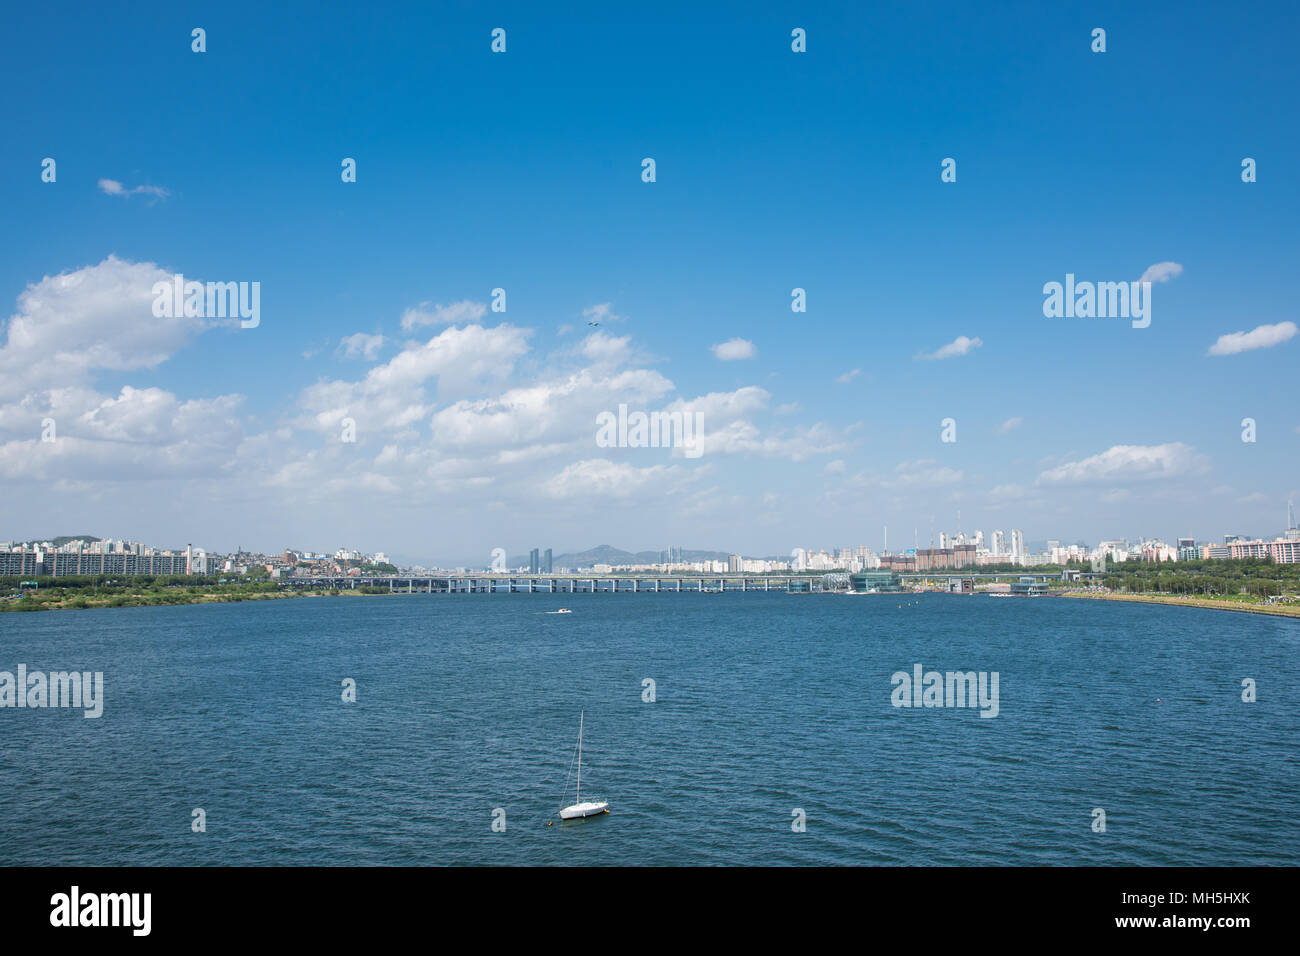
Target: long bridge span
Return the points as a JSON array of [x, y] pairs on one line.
[[484, 583]]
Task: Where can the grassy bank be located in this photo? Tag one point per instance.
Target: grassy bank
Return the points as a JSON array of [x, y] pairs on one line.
[[1244, 605], [80, 599]]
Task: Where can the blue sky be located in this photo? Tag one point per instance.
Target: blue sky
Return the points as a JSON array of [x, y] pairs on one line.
[[775, 170]]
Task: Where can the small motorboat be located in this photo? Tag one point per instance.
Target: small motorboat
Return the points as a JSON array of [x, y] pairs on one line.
[[564, 610]]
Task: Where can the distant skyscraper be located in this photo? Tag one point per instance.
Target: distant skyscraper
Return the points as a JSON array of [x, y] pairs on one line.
[[735, 564], [546, 562], [999, 543], [533, 561], [1017, 545]]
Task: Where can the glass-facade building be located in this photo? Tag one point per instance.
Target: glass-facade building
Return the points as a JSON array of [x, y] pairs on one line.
[[882, 581]]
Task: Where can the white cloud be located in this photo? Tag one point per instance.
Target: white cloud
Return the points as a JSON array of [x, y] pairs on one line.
[[1010, 424], [1260, 337], [848, 376], [394, 395], [360, 345], [959, 346], [1123, 463], [605, 349], [111, 187], [597, 478], [923, 472], [601, 312], [98, 318], [425, 314], [1161, 272], [734, 349]]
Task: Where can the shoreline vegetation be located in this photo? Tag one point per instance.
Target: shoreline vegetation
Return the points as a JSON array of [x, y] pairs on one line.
[[160, 592], [1181, 600]]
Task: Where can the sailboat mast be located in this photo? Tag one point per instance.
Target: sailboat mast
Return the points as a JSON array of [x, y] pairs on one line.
[[580, 716]]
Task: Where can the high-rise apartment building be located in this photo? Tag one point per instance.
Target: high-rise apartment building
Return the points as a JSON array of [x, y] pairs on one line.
[[1017, 545]]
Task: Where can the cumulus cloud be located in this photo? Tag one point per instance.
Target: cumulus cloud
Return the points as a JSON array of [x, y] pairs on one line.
[[1010, 425], [398, 393], [98, 318], [848, 376], [733, 350], [959, 346], [606, 349], [432, 314], [360, 345], [470, 413], [1161, 272], [1122, 463], [69, 330], [1260, 337]]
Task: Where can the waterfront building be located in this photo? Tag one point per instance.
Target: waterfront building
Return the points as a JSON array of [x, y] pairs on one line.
[[1028, 587], [881, 581]]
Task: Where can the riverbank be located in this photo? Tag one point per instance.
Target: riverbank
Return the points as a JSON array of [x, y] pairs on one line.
[[1275, 610], [82, 602]]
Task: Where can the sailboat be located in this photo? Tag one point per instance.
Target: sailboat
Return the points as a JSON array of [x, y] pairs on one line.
[[578, 808]]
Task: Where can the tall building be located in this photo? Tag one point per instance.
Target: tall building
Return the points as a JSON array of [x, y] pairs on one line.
[[534, 561], [1017, 545], [999, 547], [546, 562], [735, 564]]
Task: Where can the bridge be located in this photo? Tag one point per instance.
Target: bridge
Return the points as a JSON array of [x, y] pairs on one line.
[[506, 583], [571, 584]]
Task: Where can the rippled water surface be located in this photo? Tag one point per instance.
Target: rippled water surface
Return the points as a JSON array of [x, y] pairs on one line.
[[765, 703]]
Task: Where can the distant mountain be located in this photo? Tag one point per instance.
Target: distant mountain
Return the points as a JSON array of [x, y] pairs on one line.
[[62, 539]]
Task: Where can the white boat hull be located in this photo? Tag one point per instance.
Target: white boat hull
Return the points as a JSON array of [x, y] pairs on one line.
[[589, 809]]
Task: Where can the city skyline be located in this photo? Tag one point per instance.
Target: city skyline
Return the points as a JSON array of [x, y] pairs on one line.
[[1009, 542], [422, 375]]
